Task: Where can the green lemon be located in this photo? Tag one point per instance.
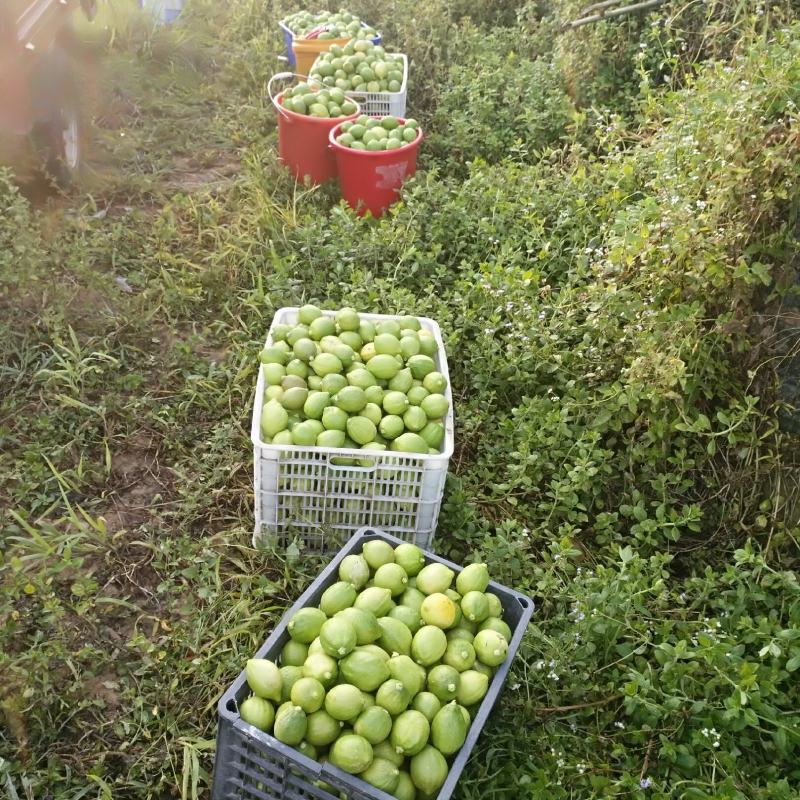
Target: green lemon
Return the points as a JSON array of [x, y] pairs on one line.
[[460, 655], [322, 667], [361, 377], [305, 349], [297, 332], [473, 578], [333, 383], [351, 753], [354, 569], [410, 443], [374, 394], [338, 637], [395, 636], [443, 681], [351, 399], [415, 419], [382, 774], [279, 332], [290, 725], [289, 676], [347, 318], [373, 413], [412, 597], [395, 403], [308, 693], [294, 398], [391, 576], [337, 596], [273, 373], [374, 724], [325, 363], [361, 430], [273, 355], [434, 577], [449, 729], [491, 647], [402, 381], [330, 438], [411, 675], [428, 770], [304, 435], [257, 711], [364, 669], [274, 418], [383, 366], [410, 558], [409, 346], [460, 634], [294, 652], [391, 426], [315, 404], [377, 553], [364, 623], [386, 343], [433, 434], [408, 616], [344, 702], [427, 704], [352, 340], [322, 729], [385, 751], [435, 382], [435, 405], [320, 327], [392, 696], [410, 732], [475, 606], [388, 325], [366, 331], [306, 624], [334, 418], [428, 645], [495, 606], [273, 393], [264, 678], [472, 687], [376, 600]]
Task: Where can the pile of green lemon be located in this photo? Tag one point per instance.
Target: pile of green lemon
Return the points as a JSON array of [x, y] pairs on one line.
[[337, 380], [360, 66], [325, 103], [370, 133], [382, 679], [330, 25]]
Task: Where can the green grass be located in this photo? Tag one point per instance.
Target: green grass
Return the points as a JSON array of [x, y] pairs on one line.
[[131, 313]]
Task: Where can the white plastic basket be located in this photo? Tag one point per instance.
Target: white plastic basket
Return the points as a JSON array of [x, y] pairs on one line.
[[301, 493], [382, 104]]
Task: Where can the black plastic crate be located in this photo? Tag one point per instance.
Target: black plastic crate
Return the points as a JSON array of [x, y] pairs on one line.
[[253, 765]]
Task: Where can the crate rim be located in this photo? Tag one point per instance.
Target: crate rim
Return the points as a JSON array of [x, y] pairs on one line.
[[347, 452], [342, 779]]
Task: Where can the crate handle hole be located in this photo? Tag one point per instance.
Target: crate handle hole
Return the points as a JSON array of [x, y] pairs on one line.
[[231, 706], [524, 602]]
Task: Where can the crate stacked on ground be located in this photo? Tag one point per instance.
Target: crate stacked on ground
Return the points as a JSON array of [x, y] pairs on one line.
[[342, 436], [412, 664], [377, 80]]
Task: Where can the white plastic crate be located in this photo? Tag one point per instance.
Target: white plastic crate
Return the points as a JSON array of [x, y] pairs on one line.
[[301, 493], [383, 104]]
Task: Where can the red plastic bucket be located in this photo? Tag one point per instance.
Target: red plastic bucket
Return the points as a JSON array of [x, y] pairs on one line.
[[371, 181], [303, 143]]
